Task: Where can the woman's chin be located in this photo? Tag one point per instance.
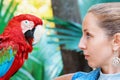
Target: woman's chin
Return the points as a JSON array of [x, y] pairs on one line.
[[92, 65]]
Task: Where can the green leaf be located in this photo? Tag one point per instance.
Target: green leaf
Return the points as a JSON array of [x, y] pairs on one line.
[[9, 13], [68, 34], [1, 5], [22, 75]]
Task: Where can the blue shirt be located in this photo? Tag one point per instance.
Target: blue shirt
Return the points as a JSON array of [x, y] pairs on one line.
[[95, 75]]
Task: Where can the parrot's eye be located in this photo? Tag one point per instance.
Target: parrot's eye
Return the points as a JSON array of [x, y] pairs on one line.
[[26, 22]]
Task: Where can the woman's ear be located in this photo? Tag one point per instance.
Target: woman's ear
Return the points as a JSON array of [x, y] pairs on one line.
[[116, 41]]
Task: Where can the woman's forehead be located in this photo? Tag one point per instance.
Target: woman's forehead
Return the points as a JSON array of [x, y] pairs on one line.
[[90, 24], [89, 20]]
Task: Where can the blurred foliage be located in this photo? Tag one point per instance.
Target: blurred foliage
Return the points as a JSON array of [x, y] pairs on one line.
[[45, 62], [40, 8], [85, 4], [68, 34], [6, 12]]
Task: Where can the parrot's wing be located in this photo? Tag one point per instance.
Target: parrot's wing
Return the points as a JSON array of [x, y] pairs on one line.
[[6, 59]]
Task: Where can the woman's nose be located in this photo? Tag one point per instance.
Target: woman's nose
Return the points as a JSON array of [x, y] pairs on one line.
[[82, 45]]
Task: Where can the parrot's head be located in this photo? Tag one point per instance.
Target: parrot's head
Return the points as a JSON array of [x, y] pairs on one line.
[[30, 26]]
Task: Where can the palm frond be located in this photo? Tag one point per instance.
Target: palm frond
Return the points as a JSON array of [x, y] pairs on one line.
[[21, 75], [1, 5], [6, 14], [68, 34]]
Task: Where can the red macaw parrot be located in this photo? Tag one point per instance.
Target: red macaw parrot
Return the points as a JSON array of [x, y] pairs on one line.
[[16, 42]]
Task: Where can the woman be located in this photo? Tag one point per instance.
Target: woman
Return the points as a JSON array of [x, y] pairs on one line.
[[100, 43]]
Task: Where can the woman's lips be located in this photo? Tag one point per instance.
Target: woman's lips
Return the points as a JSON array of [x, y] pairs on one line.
[[86, 56]]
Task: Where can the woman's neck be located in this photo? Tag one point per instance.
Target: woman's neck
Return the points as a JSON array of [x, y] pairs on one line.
[[110, 69]]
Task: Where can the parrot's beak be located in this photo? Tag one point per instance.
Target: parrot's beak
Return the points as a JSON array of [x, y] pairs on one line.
[[34, 34], [38, 32], [29, 34]]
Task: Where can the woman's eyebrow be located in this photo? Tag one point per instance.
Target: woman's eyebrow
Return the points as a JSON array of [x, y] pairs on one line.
[[85, 30]]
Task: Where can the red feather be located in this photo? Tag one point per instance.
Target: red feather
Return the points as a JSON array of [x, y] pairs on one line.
[[13, 36]]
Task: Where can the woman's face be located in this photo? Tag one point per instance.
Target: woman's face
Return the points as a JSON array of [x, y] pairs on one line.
[[95, 43]]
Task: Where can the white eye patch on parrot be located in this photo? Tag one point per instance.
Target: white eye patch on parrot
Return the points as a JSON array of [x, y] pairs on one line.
[[27, 25]]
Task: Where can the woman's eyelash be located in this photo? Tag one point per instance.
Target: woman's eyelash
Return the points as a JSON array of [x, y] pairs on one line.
[[88, 35]]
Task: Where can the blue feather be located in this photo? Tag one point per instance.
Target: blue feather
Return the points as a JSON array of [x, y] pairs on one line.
[[6, 60]]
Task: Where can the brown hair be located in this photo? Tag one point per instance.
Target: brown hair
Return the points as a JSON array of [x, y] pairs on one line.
[[108, 15]]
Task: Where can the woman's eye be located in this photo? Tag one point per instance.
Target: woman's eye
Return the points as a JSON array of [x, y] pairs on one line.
[[88, 35]]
